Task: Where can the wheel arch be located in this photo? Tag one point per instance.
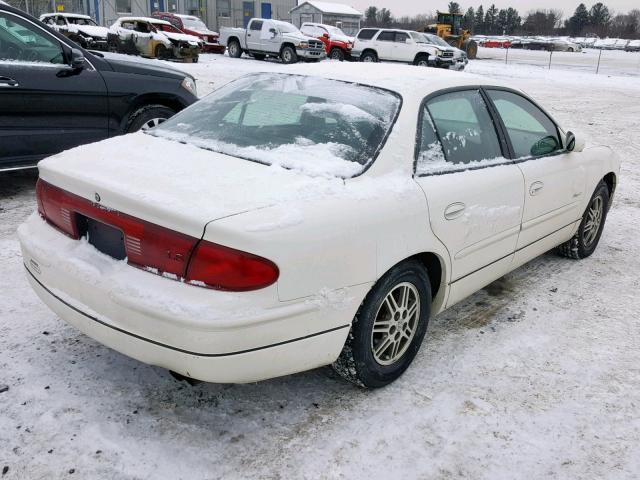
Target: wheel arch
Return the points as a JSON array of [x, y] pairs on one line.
[[421, 54], [611, 181], [148, 99], [287, 44], [369, 50]]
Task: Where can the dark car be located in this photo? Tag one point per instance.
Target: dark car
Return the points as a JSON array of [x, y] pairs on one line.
[[54, 95]]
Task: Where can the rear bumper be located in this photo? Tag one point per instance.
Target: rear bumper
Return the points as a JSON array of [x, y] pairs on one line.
[[200, 333], [213, 48]]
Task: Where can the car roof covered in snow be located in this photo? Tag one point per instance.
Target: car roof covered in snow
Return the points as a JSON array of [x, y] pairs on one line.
[[156, 21], [407, 80], [68, 15]]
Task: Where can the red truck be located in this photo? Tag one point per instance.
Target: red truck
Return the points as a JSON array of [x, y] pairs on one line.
[[192, 25], [337, 44]]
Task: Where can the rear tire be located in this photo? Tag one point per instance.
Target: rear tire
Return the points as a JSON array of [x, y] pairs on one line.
[[148, 116], [471, 49], [336, 54], [234, 48], [586, 239], [288, 55], [388, 329]]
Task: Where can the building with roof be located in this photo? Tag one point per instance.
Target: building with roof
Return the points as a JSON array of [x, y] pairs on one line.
[[343, 16]]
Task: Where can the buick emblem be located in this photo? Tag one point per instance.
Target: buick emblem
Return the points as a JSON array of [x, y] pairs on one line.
[[97, 197]]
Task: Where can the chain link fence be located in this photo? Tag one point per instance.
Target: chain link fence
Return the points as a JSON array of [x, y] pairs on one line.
[[606, 62]]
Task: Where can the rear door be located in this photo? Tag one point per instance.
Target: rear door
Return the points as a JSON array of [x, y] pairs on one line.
[[45, 106], [555, 180], [474, 194], [383, 44]]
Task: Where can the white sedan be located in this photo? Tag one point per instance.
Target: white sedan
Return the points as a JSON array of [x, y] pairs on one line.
[[291, 220]]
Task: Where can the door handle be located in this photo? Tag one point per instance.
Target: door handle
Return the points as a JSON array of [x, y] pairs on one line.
[[8, 82], [454, 210], [535, 188]]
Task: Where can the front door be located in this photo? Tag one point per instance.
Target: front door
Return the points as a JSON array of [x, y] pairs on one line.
[[555, 180], [475, 196], [45, 106]]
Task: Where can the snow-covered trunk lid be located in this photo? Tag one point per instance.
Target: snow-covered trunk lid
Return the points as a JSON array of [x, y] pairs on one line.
[[177, 186]]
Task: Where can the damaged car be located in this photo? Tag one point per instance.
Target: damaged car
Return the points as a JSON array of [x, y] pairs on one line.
[[82, 29], [153, 38]]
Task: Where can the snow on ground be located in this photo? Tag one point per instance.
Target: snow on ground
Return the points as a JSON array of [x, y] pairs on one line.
[[535, 376]]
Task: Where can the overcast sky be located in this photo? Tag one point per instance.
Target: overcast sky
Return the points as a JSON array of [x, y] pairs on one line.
[[413, 7]]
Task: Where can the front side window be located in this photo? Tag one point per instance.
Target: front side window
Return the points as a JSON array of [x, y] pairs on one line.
[[401, 37], [532, 133], [21, 41], [317, 126], [456, 133]]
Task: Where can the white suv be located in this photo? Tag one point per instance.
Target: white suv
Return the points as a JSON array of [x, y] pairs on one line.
[[376, 44]]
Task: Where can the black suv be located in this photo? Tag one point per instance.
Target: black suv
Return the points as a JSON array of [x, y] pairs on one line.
[[54, 95]]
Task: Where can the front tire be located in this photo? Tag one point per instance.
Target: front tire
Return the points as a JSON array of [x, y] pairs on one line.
[[369, 57], [288, 55], [388, 329], [148, 117], [421, 61], [336, 54], [586, 239]]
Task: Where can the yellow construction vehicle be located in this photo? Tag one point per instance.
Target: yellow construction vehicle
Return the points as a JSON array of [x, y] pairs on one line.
[[449, 28]]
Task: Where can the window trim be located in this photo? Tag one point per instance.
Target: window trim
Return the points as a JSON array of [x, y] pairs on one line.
[[501, 131]]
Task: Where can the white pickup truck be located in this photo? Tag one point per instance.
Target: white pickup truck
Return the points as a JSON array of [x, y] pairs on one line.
[[271, 38]]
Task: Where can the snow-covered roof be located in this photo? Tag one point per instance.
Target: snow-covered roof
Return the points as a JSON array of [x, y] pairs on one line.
[[334, 8], [68, 15], [155, 21]]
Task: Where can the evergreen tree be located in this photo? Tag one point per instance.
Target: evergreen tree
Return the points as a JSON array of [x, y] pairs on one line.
[[490, 19], [454, 7], [371, 16], [580, 19], [469, 19], [479, 22]]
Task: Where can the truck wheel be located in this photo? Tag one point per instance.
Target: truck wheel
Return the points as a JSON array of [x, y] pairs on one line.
[[369, 57], [235, 50], [421, 60], [389, 327], [471, 47], [148, 116], [288, 55], [336, 54]]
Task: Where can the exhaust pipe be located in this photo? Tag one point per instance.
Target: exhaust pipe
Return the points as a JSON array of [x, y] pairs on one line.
[[182, 378]]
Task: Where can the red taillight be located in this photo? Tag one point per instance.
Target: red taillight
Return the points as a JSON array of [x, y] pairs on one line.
[[228, 269], [158, 249]]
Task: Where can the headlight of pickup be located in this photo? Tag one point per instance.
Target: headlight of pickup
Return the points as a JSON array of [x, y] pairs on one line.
[[189, 84], [439, 53], [303, 45]]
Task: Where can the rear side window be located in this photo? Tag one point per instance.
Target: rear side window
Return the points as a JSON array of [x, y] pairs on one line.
[[367, 33], [456, 133], [532, 133], [386, 36], [256, 25], [401, 37]]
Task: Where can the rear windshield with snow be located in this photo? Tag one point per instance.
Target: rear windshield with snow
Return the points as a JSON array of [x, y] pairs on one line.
[[318, 126]]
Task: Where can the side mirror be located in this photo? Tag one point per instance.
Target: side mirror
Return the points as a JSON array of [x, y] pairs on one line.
[[77, 59], [574, 143], [273, 31]]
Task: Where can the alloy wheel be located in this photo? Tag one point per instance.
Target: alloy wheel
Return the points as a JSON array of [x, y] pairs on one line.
[[154, 122], [594, 219], [395, 324]]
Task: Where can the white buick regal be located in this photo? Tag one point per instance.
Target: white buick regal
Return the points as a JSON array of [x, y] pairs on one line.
[[299, 219]]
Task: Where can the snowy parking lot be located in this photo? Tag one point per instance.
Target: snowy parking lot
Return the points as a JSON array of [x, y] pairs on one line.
[[535, 376]]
